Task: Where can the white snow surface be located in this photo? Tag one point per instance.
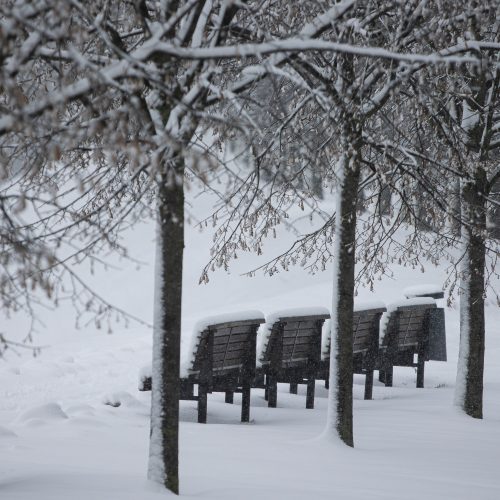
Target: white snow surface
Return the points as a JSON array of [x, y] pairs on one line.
[[409, 443], [413, 291]]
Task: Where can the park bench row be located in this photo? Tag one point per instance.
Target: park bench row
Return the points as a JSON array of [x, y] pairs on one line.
[[225, 358]]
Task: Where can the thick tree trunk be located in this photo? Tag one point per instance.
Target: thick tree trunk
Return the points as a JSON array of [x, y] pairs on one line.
[[469, 390], [340, 398], [164, 445]]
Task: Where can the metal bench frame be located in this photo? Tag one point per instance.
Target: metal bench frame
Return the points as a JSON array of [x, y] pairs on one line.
[[365, 340], [292, 356]]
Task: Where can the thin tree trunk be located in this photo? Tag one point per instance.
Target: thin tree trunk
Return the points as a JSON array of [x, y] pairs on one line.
[[456, 211], [469, 390], [385, 201], [164, 443], [340, 398]]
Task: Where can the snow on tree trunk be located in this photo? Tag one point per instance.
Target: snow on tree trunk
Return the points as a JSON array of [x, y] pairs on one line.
[[164, 441], [339, 420], [469, 385]]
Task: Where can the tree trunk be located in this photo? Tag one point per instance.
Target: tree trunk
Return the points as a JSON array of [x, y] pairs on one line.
[[164, 444], [385, 201], [469, 387], [340, 395], [456, 210]]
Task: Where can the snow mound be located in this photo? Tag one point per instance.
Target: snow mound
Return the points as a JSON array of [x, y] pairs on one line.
[[43, 413], [6, 433], [124, 398], [80, 410], [265, 329]]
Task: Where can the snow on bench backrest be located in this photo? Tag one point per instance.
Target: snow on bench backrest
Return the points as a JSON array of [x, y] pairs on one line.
[[191, 337], [233, 337], [300, 332], [408, 316], [433, 291], [365, 313]]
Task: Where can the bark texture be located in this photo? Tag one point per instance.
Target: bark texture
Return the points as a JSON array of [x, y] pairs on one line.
[[474, 207], [345, 298], [171, 232]]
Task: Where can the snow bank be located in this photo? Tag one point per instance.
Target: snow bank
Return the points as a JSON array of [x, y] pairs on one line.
[[6, 433], [120, 398], [416, 301], [46, 412], [265, 329], [419, 290]]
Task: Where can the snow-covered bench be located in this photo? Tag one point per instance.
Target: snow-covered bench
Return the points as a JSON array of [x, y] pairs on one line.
[[408, 330], [290, 349], [221, 359], [365, 342]]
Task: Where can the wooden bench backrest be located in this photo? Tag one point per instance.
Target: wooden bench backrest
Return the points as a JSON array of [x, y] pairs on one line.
[[232, 345], [365, 329], [295, 342], [406, 325]]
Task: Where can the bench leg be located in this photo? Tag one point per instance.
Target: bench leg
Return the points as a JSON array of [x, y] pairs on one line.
[[245, 404], [420, 372], [186, 390], [272, 392], [229, 397], [294, 388], [369, 384], [388, 376], [145, 384], [202, 404], [310, 393]]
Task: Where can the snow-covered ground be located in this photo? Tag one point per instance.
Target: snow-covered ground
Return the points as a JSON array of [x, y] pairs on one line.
[[63, 435]]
